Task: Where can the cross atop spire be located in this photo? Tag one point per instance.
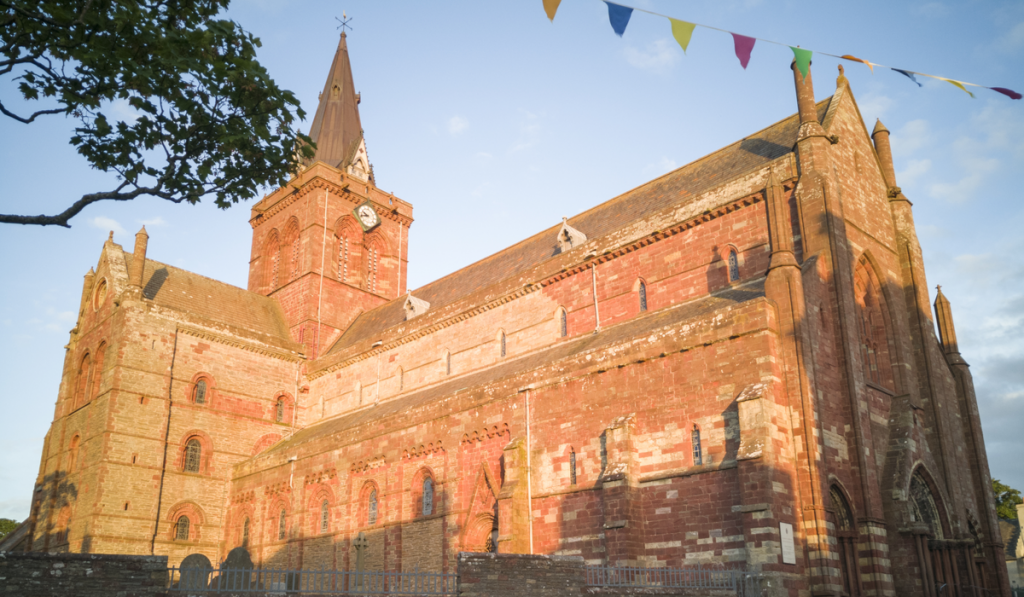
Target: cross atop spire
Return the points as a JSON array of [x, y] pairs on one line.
[[336, 128]]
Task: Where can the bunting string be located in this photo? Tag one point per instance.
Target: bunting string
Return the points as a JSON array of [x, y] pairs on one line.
[[682, 31]]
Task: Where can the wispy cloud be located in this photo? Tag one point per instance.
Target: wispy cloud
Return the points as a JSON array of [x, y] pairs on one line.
[[529, 132], [911, 137], [157, 221], [105, 223], [914, 170], [457, 124], [659, 56]]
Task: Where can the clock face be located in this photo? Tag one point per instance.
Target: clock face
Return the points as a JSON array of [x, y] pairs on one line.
[[367, 216]]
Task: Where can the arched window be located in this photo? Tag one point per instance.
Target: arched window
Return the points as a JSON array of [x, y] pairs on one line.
[[427, 503], [643, 297], [276, 267], [97, 370], [572, 466], [447, 363], [73, 454], [282, 521], [63, 525], [245, 532], [280, 410], [401, 379], [922, 505], [324, 517], [295, 257], [371, 509], [504, 348], [270, 260], [734, 266], [193, 455], [82, 388], [181, 529], [698, 456], [563, 324], [199, 392], [372, 259], [343, 249], [871, 324], [846, 541]]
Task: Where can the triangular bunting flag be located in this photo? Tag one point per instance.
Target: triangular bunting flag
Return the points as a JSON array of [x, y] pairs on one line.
[[909, 75], [551, 7], [744, 45], [1007, 92], [682, 31], [619, 17], [958, 84], [803, 59], [861, 60]]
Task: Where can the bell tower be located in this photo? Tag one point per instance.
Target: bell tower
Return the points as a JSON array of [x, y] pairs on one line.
[[330, 244]]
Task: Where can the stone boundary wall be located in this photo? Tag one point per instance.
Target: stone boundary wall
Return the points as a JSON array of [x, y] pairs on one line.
[[517, 575], [35, 574]]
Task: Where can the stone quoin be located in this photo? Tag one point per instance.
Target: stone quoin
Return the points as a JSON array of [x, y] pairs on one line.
[[741, 347]]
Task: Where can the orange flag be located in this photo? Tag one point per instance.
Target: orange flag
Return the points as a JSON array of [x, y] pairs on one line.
[[551, 7], [862, 61]]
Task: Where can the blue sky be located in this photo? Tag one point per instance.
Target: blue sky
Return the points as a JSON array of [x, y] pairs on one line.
[[494, 123]]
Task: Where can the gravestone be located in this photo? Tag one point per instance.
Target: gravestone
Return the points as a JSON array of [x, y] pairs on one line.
[[236, 571], [194, 572]]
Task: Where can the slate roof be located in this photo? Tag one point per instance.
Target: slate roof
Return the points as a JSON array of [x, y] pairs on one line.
[[746, 155], [336, 129], [638, 327], [185, 291]]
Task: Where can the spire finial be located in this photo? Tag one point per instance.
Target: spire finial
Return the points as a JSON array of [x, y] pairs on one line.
[[111, 237], [343, 23]]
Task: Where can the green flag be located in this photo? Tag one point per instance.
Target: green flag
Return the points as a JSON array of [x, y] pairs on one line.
[[681, 30], [803, 59]]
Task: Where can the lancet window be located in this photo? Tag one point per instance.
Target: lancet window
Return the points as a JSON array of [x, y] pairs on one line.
[[428, 497], [199, 392], [698, 455], [734, 266], [643, 297], [371, 508], [325, 520], [282, 521]]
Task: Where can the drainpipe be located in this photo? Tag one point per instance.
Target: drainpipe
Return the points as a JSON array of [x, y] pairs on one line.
[[167, 435]]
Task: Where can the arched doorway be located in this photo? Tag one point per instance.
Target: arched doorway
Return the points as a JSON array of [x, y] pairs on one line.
[[846, 542]]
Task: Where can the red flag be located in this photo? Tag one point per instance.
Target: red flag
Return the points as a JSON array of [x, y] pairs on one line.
[[744, 45]]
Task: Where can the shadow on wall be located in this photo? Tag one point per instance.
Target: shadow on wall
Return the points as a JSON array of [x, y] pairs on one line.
[[55, 497]]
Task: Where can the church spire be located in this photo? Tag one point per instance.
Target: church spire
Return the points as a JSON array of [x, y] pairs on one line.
[[336, 129]]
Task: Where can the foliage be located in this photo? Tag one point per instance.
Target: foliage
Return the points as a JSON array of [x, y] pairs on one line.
[[210, 120], [7, 526], [1007, 499]]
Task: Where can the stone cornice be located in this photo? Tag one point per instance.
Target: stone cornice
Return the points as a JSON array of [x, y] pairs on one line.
[[240, 343]]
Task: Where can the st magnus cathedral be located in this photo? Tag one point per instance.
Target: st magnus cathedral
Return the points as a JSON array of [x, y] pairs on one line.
[[735, 363]]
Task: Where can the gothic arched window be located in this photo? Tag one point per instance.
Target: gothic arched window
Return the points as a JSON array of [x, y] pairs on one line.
[[734, 267], [504, 347], [563, 324], [572, 466], [447, 363], [181, 529], [698, 455], [199, 392], [371, 508], [82, 389], [643, 297], [325, 521], [282, 521], [245, 532], [193, 456], [428, 497], [846, 541], [280, 410]]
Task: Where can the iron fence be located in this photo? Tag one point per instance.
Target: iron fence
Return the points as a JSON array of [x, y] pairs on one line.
[[739, 581], [207, 581]]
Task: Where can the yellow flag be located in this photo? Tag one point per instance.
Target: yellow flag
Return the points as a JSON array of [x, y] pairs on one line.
[[681, 30], [551, 7], [958, 84]]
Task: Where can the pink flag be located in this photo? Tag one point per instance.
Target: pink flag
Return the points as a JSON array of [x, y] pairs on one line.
[[744, 45]]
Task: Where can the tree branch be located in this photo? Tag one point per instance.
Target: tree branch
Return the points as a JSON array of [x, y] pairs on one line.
[[30, 118], [62, 218]]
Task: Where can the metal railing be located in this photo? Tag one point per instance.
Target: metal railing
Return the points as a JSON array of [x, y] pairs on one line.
[[675, 578], [205, 581]]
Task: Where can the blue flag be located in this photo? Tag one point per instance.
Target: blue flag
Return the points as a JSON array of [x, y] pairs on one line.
[[619, 17], [909, 75]]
